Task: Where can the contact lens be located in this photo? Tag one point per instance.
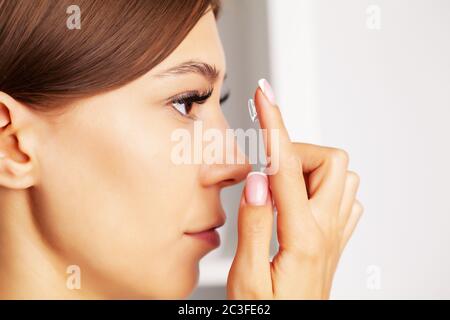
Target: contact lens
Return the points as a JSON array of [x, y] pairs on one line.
[[252, 110]]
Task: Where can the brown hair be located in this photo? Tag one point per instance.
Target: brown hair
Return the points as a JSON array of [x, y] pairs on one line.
[[44, 64]]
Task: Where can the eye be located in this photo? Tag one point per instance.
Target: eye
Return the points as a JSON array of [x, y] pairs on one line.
[[184, 103]]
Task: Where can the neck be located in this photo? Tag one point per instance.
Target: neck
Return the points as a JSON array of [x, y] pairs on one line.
[[29, 268]]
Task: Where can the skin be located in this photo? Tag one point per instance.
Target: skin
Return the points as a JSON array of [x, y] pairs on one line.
[[95, 186]]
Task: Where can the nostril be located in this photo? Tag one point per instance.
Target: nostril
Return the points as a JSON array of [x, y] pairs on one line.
[[229, 182]]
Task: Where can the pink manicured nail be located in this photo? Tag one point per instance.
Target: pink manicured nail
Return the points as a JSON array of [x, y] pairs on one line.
[[267, 90], [256, 188]]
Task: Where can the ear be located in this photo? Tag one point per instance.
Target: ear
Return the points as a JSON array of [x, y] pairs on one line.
[[17, 164]]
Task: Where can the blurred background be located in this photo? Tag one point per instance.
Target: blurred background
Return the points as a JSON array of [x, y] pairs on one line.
[[373, 78]]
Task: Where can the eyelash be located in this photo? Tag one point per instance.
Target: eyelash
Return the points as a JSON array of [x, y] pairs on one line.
[[192, 97]]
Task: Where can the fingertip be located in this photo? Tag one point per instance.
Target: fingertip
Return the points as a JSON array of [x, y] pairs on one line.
[[266, 88]]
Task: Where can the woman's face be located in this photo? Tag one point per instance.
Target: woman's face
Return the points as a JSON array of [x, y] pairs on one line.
[[111, 199]]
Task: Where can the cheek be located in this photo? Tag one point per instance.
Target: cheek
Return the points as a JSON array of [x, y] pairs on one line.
[[110, 189]]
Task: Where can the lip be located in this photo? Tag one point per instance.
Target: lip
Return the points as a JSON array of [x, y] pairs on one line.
[[208, 234], [210, 237]]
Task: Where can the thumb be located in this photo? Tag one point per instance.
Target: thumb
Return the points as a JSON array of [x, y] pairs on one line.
[[251, 264]]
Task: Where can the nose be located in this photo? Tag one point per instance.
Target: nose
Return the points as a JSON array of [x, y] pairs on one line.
[[231, 167], [226, 173]]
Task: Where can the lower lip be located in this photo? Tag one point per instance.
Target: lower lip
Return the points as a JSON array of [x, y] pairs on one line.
[[211, 237]]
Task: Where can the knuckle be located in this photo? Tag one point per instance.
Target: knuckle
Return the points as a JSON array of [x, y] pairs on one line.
[[359, 207], [339, 157], [256, 221], [353, 177], [257, 227]]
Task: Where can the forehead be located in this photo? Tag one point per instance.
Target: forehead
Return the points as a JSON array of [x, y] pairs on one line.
[[202, 44]]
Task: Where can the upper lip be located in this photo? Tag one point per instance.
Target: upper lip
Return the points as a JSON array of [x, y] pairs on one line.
[[211, 227]]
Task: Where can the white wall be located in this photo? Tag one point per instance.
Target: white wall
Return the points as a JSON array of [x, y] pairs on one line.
[[381, 94], [385, 96]]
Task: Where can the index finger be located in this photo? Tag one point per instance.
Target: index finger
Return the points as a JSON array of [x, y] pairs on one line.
[[287, 182]]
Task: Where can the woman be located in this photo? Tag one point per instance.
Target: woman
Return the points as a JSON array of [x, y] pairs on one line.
[[88, 185]]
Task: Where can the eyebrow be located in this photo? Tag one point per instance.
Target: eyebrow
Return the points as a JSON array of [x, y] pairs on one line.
[[206, 70]]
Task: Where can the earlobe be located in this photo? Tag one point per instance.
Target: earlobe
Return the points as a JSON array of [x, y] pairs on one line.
[[17, 170]]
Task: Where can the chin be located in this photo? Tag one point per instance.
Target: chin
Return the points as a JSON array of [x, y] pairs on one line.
[[180, 284], [179, 287]]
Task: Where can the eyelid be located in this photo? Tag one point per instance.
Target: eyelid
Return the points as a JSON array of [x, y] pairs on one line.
[[193, 95]]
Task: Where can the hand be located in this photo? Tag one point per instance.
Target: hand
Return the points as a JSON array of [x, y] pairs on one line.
[[315, 197]]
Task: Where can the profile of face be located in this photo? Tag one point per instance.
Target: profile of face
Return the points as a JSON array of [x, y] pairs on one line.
[[106, 193]]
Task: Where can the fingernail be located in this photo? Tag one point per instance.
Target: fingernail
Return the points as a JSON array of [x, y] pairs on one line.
[[256, 188], [267, 90], [252, 110]]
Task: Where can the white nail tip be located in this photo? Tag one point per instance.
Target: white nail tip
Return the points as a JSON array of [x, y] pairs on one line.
[[257, 173], [252, 110], [261, 83]]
